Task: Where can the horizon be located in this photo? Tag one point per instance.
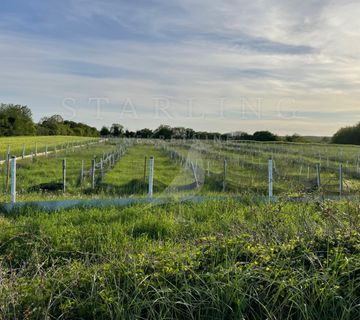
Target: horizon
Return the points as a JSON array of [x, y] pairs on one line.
[[283, 67]]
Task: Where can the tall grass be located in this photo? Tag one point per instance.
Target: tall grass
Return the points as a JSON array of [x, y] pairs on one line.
[[215, 260]]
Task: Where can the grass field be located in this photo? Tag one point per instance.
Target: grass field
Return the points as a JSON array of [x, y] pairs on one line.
[[38, 143], [128, 175], [211, 260], [215, 260], [246, 172], [294, 166]]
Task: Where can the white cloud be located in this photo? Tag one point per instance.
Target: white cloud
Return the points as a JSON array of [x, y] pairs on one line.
[[302, 56]]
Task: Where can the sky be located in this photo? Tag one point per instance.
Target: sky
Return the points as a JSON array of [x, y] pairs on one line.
[[231, 65]]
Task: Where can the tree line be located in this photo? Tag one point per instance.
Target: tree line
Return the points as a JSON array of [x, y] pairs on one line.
[[347, 135], [167, 132], [16, 120]]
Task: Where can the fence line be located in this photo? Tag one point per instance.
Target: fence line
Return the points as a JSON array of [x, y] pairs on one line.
[[108, 160], [46, 152]]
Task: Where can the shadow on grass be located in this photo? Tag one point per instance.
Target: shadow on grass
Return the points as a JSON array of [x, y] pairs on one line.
[[46, 187], [138, 186]]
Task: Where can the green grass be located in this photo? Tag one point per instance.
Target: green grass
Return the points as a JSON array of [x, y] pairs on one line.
[[248, 166], [247, 170], [16, 143], [127, 177], [215, 260], [41, 178]]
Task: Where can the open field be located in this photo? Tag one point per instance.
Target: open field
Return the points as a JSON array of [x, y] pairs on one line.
[[215, 260], [294, 166], [238, 258], [37, 143], [188, 167]]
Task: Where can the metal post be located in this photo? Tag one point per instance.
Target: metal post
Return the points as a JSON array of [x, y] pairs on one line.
[[208, 168], [308, 173], [13, 179], [7, 167], [23, 152], [225, 173], [151, 177], [145, 161], [318, 178], [93, 163], [271, 181], [194, 174], [36, 149], [64, 174], [341, 180], [82, 171], [46, 150], [102, 169]]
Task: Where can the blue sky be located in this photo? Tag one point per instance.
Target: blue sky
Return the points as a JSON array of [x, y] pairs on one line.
[[284, 66]]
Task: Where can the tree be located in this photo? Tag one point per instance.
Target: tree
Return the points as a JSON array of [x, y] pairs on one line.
[[144, 133], [53, 125], [164, 132], [347, 135], [179, 133], [189, 133], [104, 131], [16, 120], [294, 138], [264, 136], [129, 134], [116, 130], [56, 125]]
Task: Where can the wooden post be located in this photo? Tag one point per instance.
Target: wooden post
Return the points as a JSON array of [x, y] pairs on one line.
[[64, 174], [271, 181], [145, 161], [93, 163], [151, 177], [341, 180], [13, 179], [225, 174], [318, 176]]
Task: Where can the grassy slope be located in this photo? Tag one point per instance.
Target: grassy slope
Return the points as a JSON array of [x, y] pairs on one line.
[[216, 260], [16, 143]]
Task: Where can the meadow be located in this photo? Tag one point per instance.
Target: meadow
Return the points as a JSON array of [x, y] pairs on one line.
[[32, 144], [214, 260]]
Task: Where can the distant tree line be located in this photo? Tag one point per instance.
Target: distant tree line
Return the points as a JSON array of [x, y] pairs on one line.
[[56, 125], [16, 120], [167, 132], [347, 135]]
